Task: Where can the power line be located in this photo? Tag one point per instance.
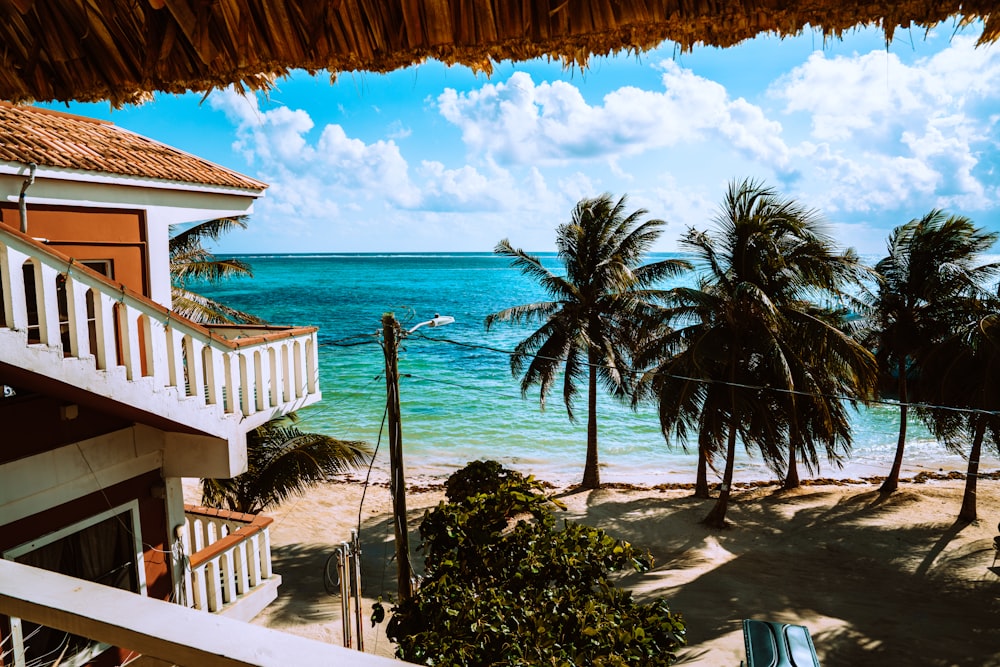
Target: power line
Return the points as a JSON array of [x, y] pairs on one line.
[[739, 385]]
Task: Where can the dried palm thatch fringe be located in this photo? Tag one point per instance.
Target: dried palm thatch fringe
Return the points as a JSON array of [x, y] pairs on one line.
[[123, 50]]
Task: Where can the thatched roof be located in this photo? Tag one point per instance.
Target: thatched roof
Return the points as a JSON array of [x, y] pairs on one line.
[[121, 50]]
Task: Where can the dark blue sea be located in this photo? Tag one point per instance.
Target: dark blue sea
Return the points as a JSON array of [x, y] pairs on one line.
[[459, 400]]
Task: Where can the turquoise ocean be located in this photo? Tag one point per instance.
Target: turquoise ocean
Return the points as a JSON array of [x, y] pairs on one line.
[[459, 401]]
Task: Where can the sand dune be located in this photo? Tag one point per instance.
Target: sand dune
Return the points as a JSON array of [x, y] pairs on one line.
[[878, 581]]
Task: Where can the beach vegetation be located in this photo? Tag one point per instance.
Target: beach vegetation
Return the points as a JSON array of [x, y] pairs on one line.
[[504, 585], [586, 328], [927, 288], [191, 261], [282, 461], [750, 354]]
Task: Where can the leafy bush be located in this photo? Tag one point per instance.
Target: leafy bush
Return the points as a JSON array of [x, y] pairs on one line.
[[528, 593], [478, 477]]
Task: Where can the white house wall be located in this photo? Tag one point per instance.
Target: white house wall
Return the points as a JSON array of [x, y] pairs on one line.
[[37, 483]]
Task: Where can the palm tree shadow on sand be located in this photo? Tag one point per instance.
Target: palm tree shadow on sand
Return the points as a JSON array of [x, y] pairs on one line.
[[891, 590], [900, 594]]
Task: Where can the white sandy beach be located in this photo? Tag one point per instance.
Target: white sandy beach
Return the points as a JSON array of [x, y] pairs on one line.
[[893, 581]]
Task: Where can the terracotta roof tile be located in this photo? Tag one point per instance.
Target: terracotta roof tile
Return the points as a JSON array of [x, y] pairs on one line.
[[54, 139]]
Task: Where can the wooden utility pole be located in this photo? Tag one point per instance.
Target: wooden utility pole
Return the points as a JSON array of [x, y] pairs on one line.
[[391, 335]]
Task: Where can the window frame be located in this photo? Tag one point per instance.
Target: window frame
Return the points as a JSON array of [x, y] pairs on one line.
[[131, 508]]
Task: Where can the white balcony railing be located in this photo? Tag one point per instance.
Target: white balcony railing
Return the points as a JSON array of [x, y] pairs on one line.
[[230, 558], [251, 373], [161, 632]]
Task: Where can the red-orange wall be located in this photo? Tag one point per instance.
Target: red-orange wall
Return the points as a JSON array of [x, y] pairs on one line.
[[91, 234], [153, 522], [22, 418]]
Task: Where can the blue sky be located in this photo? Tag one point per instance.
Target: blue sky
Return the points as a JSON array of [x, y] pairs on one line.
[[434, 158]]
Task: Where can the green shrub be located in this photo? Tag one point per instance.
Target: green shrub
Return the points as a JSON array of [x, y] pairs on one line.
[[478, 477], [504, 586]]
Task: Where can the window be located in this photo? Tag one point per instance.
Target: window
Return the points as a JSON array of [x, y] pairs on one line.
[[106, 549]]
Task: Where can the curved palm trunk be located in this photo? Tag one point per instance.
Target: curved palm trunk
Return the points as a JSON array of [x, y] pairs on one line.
[[891, 482], [591, 474], [717, 517], [701, 481], [792, 475], [968, 511]]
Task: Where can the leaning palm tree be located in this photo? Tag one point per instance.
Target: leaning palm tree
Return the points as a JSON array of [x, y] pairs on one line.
[[749, 355], [191, 261], [959, 406], [932, 264], [282, 461], [585, 329]]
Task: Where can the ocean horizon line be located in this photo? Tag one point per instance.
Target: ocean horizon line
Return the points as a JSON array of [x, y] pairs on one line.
[[444, 254]]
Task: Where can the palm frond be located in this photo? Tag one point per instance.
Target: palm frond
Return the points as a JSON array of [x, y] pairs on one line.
[[204, 310]]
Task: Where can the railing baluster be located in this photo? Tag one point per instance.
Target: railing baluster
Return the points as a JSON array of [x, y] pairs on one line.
[[228, 583], [198, 535], [199, 583], [312, 368], [260, 380], [274, 374], [286, 374], [213, 375], [255, 568], [129, 327], [230, 366], [242, 576], [48, 305], [300, 387], [265, 553], [17, 308], [214, 583], [175, 357], [104, 328], [247, 383], [76, 301]]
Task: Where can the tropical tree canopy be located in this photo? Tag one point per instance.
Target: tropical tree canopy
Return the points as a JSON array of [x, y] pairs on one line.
[[960, 406], [191, 261], [504, 585], [587, 328], [929, 285], [282, 461], [750, 354]]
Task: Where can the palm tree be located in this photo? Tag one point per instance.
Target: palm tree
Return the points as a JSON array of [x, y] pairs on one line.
[[586, 328], [962, 400], [753, 357], [830, 370], [282, 461], [931, 266], [190, 260]]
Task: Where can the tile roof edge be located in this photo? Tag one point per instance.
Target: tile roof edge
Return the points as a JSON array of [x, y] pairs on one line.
[[53, 112], [9, 168], [260, 185]]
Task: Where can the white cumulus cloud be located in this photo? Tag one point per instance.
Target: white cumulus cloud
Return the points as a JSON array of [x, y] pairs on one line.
[[886, 133], [521, 122]]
